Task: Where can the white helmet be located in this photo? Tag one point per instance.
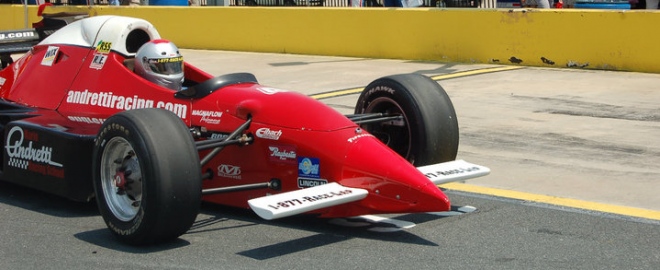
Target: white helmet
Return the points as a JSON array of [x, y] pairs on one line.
[[160, 62]]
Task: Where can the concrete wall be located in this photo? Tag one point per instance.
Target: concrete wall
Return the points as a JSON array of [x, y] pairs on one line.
[[601, 39]]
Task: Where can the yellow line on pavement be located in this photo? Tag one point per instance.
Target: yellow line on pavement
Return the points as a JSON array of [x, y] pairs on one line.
[[435, 78], [573, 203], [337, 93], [474, 72]]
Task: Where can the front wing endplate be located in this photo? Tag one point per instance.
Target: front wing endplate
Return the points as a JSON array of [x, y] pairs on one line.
[[453, 171]]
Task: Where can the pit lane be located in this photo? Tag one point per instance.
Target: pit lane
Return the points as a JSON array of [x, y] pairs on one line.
[[45, 232], [579, 135]]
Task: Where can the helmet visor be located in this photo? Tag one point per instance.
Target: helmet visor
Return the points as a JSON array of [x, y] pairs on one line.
[[166, 66]]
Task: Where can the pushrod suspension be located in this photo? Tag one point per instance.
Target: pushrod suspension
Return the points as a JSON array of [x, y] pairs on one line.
[[219, 145], [378, 120], [274, 184], [357, 117]]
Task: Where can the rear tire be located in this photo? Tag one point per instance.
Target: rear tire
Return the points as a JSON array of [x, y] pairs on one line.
[[147, 176], [429, 131]]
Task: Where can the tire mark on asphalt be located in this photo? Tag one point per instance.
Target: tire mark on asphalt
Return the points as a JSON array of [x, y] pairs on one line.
[[574, 107]]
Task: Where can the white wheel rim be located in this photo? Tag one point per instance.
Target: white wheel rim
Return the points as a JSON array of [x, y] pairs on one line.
[[123, 199]]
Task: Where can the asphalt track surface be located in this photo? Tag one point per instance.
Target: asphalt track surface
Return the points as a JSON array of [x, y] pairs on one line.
[[574, 183]]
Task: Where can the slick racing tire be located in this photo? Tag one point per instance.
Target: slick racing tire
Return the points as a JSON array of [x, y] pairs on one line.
[[428, 133], [147, 176]]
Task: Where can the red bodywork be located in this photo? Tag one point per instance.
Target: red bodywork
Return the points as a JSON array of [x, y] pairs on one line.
[[76, 95]]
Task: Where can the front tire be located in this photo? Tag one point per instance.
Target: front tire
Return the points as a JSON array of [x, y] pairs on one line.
[[428, 133], [147, 176]]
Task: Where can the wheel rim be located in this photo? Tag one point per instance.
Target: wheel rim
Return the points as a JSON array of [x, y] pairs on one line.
[[395, 134], [121, 179]]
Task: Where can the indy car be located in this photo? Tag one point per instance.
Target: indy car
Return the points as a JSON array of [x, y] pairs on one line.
[[79, 123]]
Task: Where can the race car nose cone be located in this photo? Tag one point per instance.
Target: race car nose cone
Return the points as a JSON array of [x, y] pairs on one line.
[[393, 183]]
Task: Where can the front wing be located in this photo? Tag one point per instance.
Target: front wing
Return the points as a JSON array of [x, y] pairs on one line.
[[333, 194]]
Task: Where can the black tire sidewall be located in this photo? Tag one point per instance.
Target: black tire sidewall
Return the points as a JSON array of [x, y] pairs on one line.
[[430, 114]]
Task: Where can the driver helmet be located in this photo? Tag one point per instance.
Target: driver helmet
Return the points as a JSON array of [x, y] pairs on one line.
[[160, 62]]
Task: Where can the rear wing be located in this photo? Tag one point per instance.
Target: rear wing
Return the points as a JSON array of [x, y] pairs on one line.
[[18, 41], [22, 40]]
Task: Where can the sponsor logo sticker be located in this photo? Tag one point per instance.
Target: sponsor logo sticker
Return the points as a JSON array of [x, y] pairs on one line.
[[112, 101], [86, 119], [168, 60], [308, 167], [103, 46], [50, 56], [24, 153], [219, 136], [267, 133], [303, 200], [229, 171], [17, 35], [282, 153], [310, 182], [356, 137], [209, 117], [100, 55], [460, 170], [98, 61], [2, 81]]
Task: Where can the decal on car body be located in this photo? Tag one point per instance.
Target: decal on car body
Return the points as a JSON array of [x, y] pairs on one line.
[[356, 137], [110, 100], [50, 56], [297, 201], [219, 136], [103, 46], [98, 61], [267, 133], [100, 54], [86, 119], [310, 182], [282, 153], [24, 154], [229, 171], [308, 167], [209, 117]]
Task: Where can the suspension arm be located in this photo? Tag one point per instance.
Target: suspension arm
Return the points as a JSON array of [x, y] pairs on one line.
[[378, 119], [358, 117], [203, 145], [222, 143], [274, 184]]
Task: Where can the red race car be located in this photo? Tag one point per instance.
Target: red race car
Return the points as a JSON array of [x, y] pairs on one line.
[[79, 122]]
